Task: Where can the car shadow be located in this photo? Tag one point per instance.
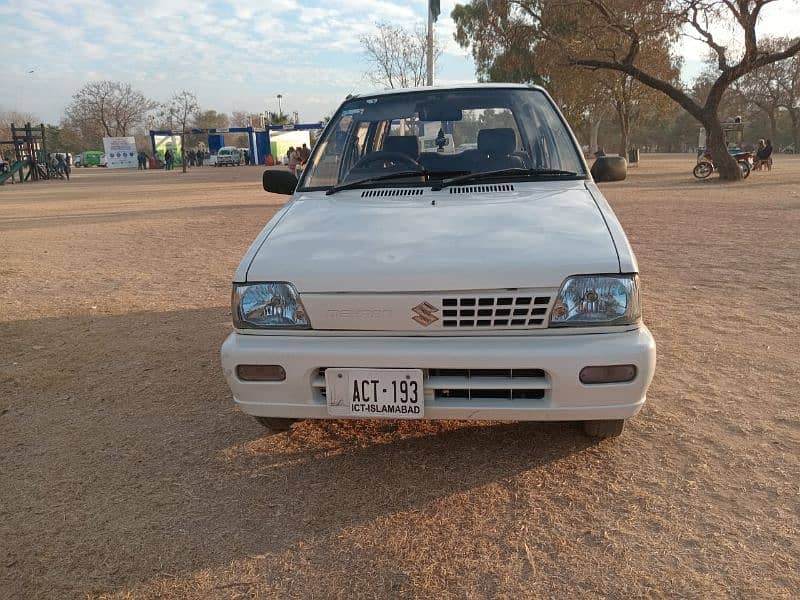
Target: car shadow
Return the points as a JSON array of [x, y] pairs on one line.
[[125, 459]]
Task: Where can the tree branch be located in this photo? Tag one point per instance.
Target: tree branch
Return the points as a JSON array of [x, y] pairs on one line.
[[646, 78]]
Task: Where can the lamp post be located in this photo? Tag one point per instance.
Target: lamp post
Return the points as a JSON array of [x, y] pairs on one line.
[[280, 111]]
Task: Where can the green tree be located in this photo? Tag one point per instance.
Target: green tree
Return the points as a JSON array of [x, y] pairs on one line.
[[618, 35]]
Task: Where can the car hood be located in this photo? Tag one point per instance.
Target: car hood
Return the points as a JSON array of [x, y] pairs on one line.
[[533, 236]]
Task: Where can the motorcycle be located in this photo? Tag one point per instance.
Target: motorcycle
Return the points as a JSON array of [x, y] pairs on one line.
[[705, 166]]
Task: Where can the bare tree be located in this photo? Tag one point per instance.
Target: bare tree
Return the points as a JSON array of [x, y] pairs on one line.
[[177, 113], [7, 117], [397, 56], [244, 118], [207, 119], [609, 35], [107, 108]]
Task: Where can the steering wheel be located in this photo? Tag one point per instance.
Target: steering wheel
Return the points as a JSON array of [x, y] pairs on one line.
[[398, 158]]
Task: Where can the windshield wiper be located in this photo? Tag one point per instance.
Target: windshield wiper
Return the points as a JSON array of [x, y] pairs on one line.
[[387, 176], [513, 172], [422, 172]]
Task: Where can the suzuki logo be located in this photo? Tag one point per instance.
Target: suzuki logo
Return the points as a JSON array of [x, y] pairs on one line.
[[424, 314]]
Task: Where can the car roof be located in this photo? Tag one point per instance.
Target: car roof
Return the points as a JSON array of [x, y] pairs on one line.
[[444, 88]]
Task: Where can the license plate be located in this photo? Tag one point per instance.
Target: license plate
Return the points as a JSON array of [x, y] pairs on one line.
[[375, 393]]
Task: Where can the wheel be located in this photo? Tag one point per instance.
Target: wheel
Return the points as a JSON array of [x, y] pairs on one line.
[[703, 169], [604, 429], [275, 424], [745, 167]]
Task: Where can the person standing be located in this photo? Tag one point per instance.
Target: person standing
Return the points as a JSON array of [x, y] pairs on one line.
[[293, 160], [761, 155], [768, 155], [60, 166]]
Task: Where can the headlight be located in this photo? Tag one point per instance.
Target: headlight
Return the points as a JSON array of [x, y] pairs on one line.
[[597, 300], [267, 306]]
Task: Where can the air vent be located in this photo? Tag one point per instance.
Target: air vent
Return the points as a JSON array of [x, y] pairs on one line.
[[482, 189], [392, 192]]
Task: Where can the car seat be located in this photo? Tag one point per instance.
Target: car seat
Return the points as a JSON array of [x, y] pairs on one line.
[[496, 147], [404, 144]]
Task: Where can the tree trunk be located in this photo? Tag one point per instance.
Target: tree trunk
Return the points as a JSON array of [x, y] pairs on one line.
[[624, 132], [773, 126], [594, 129], [624, 123], [794, 115], [726, 165], [183, 151]]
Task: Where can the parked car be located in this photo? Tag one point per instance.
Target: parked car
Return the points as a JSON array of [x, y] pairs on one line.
[[490, 283], [228, 155]]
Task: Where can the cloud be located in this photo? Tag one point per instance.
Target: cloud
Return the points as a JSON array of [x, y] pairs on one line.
[[232, 53]]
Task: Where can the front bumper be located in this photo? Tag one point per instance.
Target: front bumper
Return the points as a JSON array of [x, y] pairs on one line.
[[561, 357]]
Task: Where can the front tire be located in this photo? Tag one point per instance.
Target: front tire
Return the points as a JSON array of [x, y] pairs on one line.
[[604, 429], [275, 424], [703, 169]]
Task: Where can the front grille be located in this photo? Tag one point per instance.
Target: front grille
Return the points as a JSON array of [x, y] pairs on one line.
[[455, 385], [506, 311]]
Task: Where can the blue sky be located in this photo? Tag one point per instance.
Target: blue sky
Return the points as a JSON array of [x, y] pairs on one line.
[[232, 54]]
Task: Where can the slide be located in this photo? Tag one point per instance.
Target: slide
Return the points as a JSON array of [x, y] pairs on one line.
[[10, 173]]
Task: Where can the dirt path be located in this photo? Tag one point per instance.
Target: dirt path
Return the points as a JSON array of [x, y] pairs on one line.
[[125, 470]]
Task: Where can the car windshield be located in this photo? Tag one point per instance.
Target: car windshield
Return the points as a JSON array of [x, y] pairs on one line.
[[426, 136]]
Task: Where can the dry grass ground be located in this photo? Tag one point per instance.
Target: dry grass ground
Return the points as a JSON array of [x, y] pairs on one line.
[[126, 472]]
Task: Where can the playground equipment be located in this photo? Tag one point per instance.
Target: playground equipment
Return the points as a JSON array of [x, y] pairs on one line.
[[30, 152], [259, 141]]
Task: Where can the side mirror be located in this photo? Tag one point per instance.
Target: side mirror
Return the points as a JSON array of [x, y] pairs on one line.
[[610, 168], [279, 181]]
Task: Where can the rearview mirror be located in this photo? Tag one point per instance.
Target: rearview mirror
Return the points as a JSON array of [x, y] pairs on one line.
[[279, 181], [439, 112]]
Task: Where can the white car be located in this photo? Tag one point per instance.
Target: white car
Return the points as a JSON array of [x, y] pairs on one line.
[[490, 283], [228, 155]]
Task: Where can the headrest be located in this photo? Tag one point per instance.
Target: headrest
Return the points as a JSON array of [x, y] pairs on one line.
[[497, 142], [404, 144]]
